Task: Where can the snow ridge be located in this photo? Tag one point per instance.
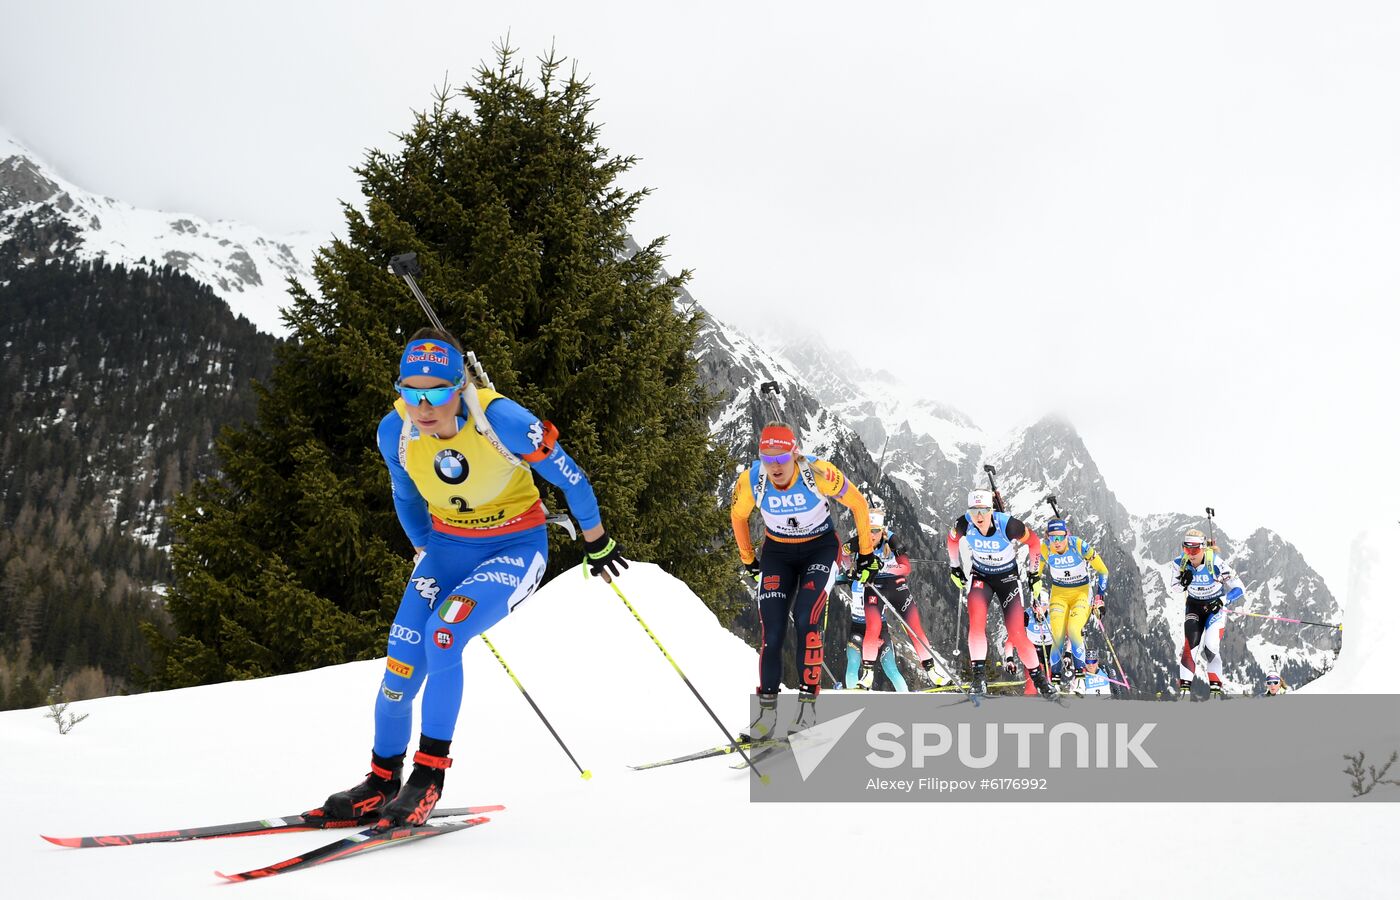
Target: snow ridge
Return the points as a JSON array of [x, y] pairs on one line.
[[245, 266]]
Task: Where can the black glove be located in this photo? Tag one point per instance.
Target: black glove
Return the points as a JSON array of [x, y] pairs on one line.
[[959, 578], [604, 557], [1033, 579], [867, 564], [753, 568], [1185, 578]]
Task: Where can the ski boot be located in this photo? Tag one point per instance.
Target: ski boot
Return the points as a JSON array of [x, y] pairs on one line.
[[1076, 681], [978, 683], [934, 677], [1043, 684], [421, 793], [866, 681], [369, 796], [806, 712], [1183, 688], [1217, 690], [763, 727]]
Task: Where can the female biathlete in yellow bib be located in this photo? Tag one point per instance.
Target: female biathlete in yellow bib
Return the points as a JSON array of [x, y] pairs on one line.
[[460, 460], [1065, 566]]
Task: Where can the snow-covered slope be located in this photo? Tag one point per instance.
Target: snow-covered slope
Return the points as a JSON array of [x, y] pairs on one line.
[[244, 266], [254, 749]]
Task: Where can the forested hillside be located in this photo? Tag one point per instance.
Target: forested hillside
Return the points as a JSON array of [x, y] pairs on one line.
[[113, 386]]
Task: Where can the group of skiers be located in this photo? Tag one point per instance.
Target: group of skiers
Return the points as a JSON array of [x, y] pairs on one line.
[[461, 459], [996, 561]]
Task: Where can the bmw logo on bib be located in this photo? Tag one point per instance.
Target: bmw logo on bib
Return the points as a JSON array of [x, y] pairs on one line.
[[451, 466]]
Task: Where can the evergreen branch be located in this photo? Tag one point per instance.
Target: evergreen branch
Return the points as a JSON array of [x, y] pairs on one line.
[[1364, 778]]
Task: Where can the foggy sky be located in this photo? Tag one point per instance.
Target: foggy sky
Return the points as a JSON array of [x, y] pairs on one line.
[[1175, 223]]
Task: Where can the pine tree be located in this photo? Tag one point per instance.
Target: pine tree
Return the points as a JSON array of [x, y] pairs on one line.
[[295, 557]]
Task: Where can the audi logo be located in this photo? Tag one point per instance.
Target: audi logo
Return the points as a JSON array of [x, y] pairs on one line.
[[407, 635]]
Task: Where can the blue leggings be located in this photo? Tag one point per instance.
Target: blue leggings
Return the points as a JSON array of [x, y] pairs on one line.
[[887, 663], [460, 588]]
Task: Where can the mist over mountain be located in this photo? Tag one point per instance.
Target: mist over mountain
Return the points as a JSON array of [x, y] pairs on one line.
[[48, 216]]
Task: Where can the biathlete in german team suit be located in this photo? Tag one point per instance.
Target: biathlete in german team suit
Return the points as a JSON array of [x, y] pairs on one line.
[[1210, 585], [798, 567], [892, 581], [990, 540], [460, 459]]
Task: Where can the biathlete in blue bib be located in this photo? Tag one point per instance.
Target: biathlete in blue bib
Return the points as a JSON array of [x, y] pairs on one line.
[[798, 567], [987, 542]]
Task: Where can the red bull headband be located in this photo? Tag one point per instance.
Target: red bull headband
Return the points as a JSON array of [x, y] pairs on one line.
[[436, 359]]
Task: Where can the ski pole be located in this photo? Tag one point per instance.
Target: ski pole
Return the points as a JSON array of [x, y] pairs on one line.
[[584, 773], [1116, 661], [1236, 612], [1210, 523], [1051, 500], [1027, 598], [657, 641], [963, 594], [907, 630], [957, 623], [1042, 652]]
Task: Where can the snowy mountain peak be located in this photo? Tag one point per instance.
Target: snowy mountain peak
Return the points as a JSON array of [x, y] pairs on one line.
[[42, 214]]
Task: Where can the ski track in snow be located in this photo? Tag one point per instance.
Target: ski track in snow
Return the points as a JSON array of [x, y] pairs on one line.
[[276, 746]]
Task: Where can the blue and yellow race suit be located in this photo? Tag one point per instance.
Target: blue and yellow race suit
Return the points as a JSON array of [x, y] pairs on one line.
[[1069, 576], [478, 518]]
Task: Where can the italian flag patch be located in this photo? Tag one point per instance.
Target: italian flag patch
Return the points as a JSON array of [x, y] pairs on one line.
[[456, 609]]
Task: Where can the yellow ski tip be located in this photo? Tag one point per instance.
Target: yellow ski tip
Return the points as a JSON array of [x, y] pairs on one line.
[[587, 775]]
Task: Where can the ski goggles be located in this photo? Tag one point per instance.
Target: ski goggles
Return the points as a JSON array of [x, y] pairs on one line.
[[1272, 682], [1192, 548], [1056, 538], [979, 511], [435, 396], [778, 459]]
